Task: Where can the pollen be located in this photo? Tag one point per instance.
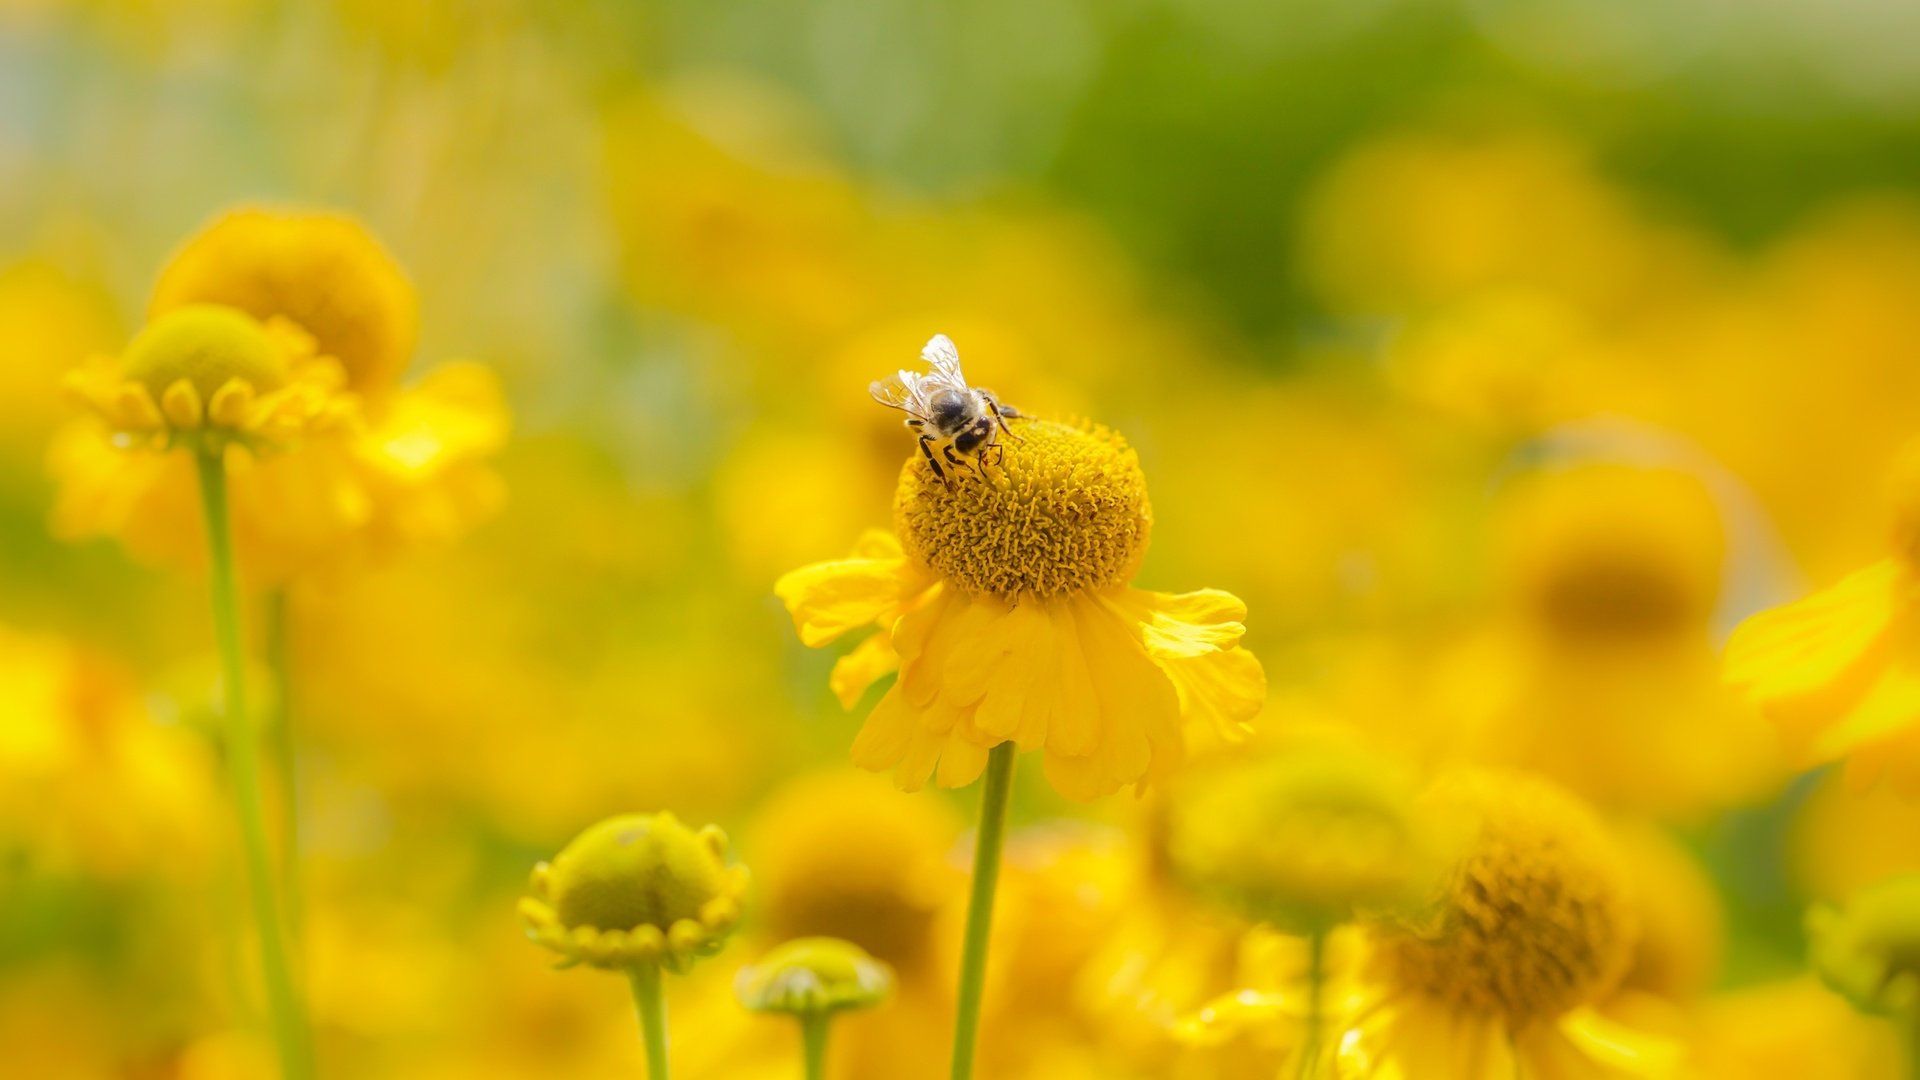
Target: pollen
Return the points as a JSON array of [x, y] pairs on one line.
[[1535, 917], [1058, 509], [208, 346]]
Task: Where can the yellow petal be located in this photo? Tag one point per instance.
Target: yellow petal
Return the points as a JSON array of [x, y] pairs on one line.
[[181, 404], [1073, 713], [133, 409], [1618, 1049], [1818, 644], [1183, 624], [1012, 707], [828, 599], [1139, 709], [1890, 705], [888, 731], [961, 763], [231, 405], [869, 661]]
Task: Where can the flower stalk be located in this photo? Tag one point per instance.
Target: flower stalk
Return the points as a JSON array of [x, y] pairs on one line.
[[813, 1041], [1316, 994], [986, 879], [652, 1006], [280, 665], [243, 763]]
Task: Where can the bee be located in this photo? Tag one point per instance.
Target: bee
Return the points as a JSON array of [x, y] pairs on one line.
[[963, 421]]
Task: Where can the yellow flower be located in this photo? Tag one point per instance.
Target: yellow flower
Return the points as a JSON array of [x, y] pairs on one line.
[[1305, 836], [844, 855], [1261, 1030], [318, 270], [1598, 667], [814, 977], [1532, 927], [1244, 1035], [205, 376], [410, 469], [1005, 605], [1839, 672], [1868, 949], [636, 889], [89, 782]]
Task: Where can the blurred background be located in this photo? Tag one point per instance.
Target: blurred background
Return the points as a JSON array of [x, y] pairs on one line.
[[1502, 355]]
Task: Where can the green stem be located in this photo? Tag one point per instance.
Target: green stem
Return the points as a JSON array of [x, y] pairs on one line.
[[1316, 989], [653, 1017], [813, 1038], [986, 877], [280, 664], [243, 762], [1910, 1033]]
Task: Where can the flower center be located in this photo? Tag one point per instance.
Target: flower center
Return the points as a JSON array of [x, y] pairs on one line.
[[206, 345], [1057, 509], [635, 870], [1533, 920], [1615, 597]]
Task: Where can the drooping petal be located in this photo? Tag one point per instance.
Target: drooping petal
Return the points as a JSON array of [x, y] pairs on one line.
[[1012, 706], [1195, 638], [1139, 710], [887, 733], [869, 661], [1073, 709], [827, 599]]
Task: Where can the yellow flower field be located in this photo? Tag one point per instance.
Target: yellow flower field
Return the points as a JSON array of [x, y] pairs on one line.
[[1139, 541]]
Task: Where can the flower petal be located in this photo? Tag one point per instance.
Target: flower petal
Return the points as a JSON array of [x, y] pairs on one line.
[[1820, 645], [827, 599], [869, 661]]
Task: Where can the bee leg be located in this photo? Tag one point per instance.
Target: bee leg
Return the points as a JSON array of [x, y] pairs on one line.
[[957, 463], [932, 461], [1001, 412]]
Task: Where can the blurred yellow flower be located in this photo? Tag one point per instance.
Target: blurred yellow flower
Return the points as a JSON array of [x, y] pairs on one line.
[[1305, 835], [1533, 927], [1005, 605], [322, 271], [843, 854], [1837, 671], [407, 465], [89, 782], [210, 375], [1597, 667], [48, 317]]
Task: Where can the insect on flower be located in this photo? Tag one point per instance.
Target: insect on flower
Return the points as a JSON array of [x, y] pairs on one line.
[[944, 410]]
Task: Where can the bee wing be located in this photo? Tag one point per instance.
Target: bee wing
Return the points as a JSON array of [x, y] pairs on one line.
[[944, 361], [900, 390]]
